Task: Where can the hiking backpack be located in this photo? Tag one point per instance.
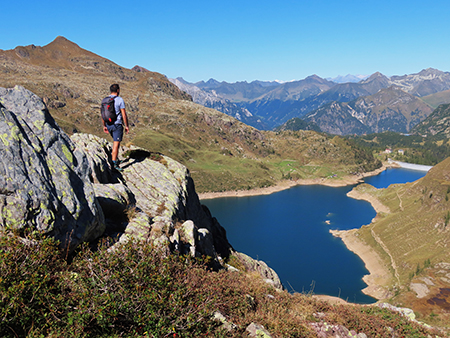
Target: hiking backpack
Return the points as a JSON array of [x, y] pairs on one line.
[[108, 110]]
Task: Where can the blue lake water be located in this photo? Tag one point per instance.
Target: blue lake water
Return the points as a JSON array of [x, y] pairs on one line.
[[394, 175], [289, 230]]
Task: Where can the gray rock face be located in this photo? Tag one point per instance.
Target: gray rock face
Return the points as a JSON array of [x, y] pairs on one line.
[[44, 179]]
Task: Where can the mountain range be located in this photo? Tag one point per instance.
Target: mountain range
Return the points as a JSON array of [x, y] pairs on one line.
[[390, 109], [214, 101], [271, 104]]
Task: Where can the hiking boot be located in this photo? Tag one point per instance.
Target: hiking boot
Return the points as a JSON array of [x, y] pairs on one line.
[[116, 166]]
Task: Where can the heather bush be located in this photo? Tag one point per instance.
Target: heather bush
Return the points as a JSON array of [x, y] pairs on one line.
[[30, 296], [136, 290], [131, 291]]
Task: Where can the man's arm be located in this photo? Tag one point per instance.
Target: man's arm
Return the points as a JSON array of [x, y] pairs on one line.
[[125, 119], [104, 127]]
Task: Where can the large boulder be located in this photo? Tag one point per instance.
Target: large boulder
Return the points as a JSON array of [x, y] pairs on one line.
[[44, 179]]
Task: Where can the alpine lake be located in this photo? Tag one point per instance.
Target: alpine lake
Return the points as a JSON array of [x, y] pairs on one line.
[[289, 230]]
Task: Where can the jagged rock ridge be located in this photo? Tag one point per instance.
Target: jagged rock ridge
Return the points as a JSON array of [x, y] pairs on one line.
[[276, 105]]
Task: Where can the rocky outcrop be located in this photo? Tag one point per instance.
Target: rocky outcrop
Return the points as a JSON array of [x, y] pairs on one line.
[[269, 275], [66, 189], [257, 331], [44, 180], [152, 199]]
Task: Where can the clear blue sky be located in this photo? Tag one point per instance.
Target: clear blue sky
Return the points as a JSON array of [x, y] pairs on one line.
[[239, 40]]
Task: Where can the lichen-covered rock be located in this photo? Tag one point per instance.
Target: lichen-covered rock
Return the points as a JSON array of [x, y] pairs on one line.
[[44, 179], [99, 158], [220, 318], [257, 331], [166, 209], [114, 199], [269, 275]]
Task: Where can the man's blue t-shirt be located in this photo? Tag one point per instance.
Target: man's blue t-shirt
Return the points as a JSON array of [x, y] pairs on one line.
[[119, 103]]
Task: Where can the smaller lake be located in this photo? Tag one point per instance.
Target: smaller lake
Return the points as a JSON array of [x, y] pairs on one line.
[[289, 230], [394, 175]]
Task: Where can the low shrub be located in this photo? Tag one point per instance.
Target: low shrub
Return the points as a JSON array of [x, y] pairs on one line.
[[30, 294]]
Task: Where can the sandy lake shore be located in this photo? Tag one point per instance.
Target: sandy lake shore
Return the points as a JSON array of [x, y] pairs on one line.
[[376, 204], [379, 275], [283, 185]]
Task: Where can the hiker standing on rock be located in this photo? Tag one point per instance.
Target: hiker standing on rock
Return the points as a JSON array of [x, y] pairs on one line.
[[114, 117]]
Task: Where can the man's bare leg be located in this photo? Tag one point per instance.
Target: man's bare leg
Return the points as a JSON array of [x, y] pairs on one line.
[[115, 150]]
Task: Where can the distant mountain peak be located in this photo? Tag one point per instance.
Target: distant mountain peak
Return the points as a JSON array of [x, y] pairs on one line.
[[375, 75], [58, 53], [140, 69], [212, 81], [60, 42], [180, 79], [348, 78], [431, 69]]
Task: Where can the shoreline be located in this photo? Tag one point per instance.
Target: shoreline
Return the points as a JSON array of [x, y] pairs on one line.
[[376, 204], [379, 276], [283, 185]]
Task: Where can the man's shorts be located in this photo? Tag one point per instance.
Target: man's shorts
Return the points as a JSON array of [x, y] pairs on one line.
[[116, 131]]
